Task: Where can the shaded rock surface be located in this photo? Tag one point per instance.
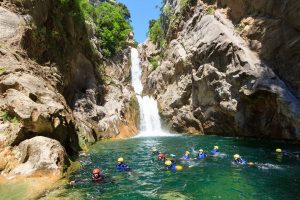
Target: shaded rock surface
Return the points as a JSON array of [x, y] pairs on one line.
[[57, 90], [213, 81]]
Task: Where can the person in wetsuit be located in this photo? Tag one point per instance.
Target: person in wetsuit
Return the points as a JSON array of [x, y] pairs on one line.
[[96, 175], [186, 156], [280, 152], [170, 165], [161, 157], [121, 166], [238, 160], [201, 154], [215, 151], [155, 151]]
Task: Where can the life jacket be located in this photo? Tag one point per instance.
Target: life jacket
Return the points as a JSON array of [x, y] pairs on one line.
[[283, 153], [122, 167], [201, 155], [185, 157], [214, 151], [171, 167], [240, 161]]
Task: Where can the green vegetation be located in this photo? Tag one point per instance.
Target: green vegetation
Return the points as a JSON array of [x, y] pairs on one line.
[[155, 61], [210, 10], [112, 22], [156, 33], [239, 27], [183, 4], [113, 27], [2, 70], [134, 103], [134, 108], [162, 28], [107, 80], [167, 10], [136, 44], [51, 40], [6, 117]]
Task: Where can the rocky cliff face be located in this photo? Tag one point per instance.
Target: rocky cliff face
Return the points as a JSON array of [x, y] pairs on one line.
[[58, 94], [230, 68]]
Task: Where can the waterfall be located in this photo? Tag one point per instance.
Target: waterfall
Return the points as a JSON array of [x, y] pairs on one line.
[[150, 124]]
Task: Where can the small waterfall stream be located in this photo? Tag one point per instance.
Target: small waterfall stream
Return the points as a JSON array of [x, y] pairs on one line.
[[150, 124]]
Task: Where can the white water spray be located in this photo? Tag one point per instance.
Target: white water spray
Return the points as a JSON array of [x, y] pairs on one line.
[[149, 116]]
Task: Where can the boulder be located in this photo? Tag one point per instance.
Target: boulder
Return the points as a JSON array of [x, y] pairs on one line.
[[9, 23], [39, 154]]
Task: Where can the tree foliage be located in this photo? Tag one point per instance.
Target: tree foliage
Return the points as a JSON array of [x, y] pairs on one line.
[[112, 27], [112, 22], [156, 33]]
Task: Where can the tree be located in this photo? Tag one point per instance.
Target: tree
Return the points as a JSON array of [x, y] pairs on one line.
[[112, 27], [126, 12], [156, 33]]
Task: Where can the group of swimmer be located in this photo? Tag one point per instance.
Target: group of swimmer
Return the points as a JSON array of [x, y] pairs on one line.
[[170, 164]]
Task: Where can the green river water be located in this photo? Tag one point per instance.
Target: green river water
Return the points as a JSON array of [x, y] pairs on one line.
[[212, 178]]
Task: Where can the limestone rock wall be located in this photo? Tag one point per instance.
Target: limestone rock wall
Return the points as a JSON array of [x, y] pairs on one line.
[[224, 73], [58, 94]]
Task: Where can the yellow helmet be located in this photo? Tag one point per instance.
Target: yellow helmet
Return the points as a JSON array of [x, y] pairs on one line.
[[216, 147], [187, 152], [168, 163], [121, 159], [278, 150], [236, 156], [201, 150], [154, 149]]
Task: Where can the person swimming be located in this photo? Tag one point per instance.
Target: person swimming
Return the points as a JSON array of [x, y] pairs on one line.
[[122, 166], [186, 156], [161, 157], [154, 151], [281, 152], [201, 154], [96, 175], [215, 151], [238, 160], [170, 165]]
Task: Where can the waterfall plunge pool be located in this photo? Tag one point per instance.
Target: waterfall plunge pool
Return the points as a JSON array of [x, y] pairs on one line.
[[212, 178]]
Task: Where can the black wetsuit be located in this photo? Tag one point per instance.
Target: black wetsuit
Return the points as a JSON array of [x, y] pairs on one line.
[[98, 179]]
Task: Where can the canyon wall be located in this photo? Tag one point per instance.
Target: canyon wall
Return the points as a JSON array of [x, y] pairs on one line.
[[229, 68], [58, 93]]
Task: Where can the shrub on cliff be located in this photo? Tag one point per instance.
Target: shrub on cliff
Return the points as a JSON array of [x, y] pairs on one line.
[[156, 33], [112, 22], [113, 27], [155, 61]]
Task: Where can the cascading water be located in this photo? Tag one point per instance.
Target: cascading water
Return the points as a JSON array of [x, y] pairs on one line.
[[149, 116]]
